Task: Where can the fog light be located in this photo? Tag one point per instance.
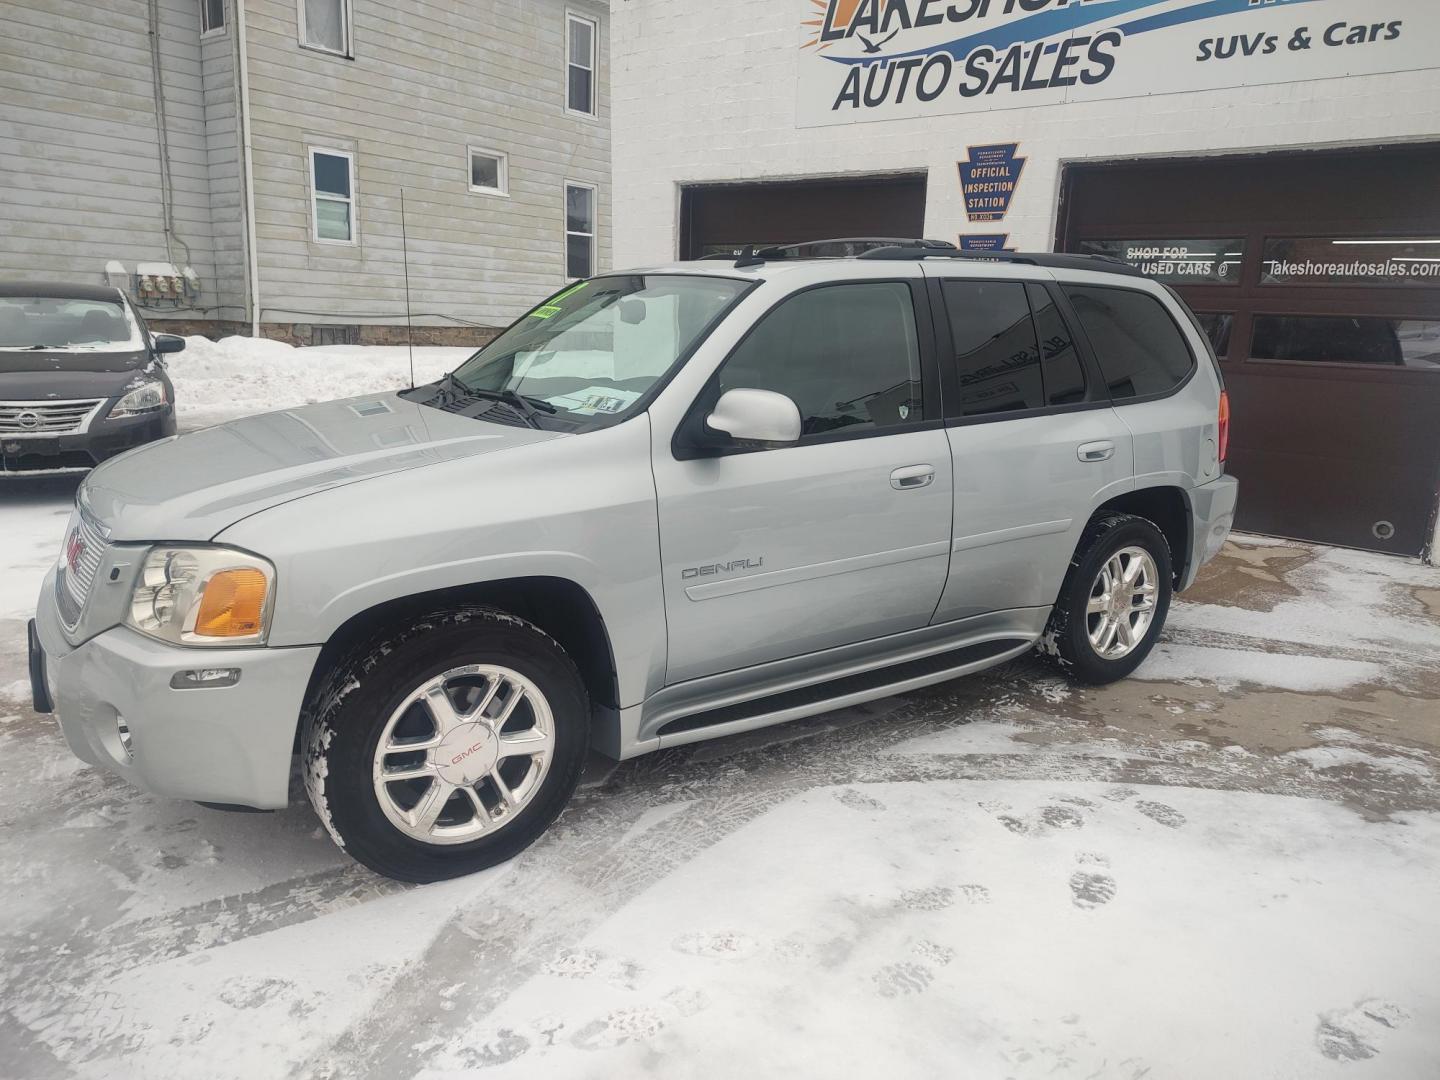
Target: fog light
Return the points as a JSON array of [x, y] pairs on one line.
[[126, 742], [201, 678]]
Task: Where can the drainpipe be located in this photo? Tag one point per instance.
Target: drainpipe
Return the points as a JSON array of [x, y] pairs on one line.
[[248, 170]]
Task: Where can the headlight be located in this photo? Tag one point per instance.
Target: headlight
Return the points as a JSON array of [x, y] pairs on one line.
[[203, 596], [144, 398]]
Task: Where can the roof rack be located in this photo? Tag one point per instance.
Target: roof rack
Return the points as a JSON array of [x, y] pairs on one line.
[[1105, 264], [848, 247]]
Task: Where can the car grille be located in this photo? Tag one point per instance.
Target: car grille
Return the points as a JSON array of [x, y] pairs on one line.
[[80, 556], [46, 417]]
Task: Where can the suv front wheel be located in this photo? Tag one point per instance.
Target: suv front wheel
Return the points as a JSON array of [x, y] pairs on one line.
[[1113, 604], [447, 746]]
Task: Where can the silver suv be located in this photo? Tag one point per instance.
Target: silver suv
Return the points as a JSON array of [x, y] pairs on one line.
[[665, 505]]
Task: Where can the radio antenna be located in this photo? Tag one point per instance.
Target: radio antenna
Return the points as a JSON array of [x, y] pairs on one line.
[[405, 256]]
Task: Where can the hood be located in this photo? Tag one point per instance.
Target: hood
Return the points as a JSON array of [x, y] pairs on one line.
[[193, 486], [59, 375]]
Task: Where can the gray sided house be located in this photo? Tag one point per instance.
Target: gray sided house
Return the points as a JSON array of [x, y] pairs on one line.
[[239, 164]]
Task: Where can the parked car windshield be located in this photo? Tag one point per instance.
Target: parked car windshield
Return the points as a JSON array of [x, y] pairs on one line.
[[57, 322], [594, 350]]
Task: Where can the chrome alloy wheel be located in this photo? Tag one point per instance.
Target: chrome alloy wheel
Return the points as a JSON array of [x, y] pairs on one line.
[[1122, 603], [463, 754]]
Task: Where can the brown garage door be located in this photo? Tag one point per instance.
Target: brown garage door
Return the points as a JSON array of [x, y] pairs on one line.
[[1318, 277], [728, 217]]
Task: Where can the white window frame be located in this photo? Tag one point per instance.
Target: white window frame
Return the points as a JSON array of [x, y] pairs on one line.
[[593, 234], [346, 25], [503, 173], [316, 196], [213, 31], [594, 64]]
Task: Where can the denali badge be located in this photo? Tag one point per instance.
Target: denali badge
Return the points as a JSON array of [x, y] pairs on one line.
[[722, 567]]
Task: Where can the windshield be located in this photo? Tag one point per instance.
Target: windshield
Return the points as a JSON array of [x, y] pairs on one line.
[[29, 322], [591, 352]]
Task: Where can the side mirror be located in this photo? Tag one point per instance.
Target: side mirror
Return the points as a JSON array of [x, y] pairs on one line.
[[168, 343], [756, 416]]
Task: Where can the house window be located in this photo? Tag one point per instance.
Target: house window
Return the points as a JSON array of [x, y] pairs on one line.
[[580, 65], [325, 25], [212, 16], [579, 230], [489, 172], [332, 189]]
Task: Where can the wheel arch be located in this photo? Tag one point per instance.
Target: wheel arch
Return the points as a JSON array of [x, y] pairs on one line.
[[1168, 506], [559, 606]]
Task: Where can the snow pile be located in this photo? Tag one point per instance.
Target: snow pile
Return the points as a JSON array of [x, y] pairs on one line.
[[220, 380]]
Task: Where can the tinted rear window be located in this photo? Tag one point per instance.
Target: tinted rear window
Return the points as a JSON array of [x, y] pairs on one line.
[[1138, 345], [995, 349]]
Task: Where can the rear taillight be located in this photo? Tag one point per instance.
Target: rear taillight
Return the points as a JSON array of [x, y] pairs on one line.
[[1224, 424]]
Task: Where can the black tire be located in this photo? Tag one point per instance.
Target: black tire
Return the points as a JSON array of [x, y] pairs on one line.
[[1067, 636], [348, 714]]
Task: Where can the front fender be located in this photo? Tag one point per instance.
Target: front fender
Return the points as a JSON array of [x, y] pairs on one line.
[[581, 509]]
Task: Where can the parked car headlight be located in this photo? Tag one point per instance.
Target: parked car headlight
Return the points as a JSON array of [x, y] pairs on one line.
[[146, 397], [203, 596]]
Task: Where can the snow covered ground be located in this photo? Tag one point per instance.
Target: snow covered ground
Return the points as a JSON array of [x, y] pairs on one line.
[[1228, 865], [238, 376]]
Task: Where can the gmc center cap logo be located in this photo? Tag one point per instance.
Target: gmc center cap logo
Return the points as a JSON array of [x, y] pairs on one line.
[[74, 550], [467, 754]]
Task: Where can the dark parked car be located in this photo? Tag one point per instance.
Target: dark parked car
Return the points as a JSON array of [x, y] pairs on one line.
[[81, 378]]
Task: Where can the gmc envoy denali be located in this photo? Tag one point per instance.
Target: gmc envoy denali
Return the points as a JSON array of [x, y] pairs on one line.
[[665, 505]]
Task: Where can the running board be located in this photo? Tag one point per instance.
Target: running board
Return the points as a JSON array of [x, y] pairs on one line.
[[849, 690]]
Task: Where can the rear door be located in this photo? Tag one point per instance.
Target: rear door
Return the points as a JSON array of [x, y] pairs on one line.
[[1035, 442], [839, 538]]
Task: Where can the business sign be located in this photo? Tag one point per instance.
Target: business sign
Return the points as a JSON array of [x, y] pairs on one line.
[[1179, 262], [889, 59], [988, 179], [985, 242], [1323, 260]]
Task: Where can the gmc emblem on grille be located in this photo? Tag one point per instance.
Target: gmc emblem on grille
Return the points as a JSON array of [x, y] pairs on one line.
[[74, 549]]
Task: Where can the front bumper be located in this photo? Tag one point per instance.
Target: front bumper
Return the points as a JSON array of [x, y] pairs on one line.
[[1212, 514], [36, 456], [215, 744]]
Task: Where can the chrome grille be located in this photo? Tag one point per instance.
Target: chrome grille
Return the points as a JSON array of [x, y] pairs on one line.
[[47, 417], [81, 553]]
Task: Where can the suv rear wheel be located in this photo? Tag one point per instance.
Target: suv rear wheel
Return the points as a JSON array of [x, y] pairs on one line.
[[447, 746], [1113, 604]]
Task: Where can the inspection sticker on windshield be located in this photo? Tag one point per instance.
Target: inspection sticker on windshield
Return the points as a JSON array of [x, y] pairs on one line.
[[593, 400]]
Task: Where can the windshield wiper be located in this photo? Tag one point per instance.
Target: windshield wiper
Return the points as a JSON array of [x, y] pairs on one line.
[[528, 407], [40, 348]]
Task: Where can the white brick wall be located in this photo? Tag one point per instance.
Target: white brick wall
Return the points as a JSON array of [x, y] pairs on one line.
[[706, 91]]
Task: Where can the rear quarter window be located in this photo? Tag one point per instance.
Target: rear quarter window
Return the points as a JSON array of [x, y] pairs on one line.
[[1139, 347]]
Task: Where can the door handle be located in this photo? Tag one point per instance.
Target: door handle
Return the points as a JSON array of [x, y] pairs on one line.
[[1095, 451], [911, 477]]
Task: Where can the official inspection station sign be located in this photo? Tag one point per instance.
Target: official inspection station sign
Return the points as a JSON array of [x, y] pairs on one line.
[[889, 59]]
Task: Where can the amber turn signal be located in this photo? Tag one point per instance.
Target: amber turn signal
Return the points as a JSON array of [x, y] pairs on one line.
[[232, 605]]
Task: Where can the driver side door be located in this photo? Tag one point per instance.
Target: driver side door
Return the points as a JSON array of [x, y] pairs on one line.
[[843, 536]]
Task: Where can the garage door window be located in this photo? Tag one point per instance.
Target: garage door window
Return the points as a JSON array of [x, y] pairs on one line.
[[847, 356], [1412, 343], [1139, 347]]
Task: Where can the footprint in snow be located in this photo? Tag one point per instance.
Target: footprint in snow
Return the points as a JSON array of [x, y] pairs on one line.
[[904, 978], [1161, 814], [856, 801], [721, 945], [1090, 889], [935, 898], [1353, 1034], [618, 1028]]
